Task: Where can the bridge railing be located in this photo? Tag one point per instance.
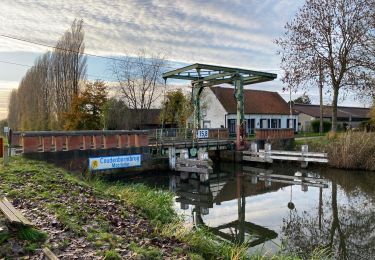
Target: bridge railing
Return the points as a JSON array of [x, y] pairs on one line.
[[184, 134]]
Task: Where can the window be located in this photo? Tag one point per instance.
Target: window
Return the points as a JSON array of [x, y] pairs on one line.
[[264, 123], [275, 123], [250, 126], [293, 121], [232, 126], [206, 124]]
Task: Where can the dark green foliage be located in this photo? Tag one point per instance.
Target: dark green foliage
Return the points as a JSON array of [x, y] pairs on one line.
[[315, 126], [304, 99], [4, 237], [31, 234]]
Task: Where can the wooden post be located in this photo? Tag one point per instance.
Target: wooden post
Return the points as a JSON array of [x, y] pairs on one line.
[[5, 155]]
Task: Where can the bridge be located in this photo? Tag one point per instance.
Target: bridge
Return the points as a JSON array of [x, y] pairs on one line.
[[78, 146], [205, 75]]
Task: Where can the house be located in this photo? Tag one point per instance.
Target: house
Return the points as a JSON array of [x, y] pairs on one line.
[[144, 118], [262, 109], [351, 116]]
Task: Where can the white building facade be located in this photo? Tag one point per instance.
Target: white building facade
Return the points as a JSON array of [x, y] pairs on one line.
[[221, 110]]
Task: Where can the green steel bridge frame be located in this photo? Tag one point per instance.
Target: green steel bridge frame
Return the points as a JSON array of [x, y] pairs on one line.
[[204, 75]]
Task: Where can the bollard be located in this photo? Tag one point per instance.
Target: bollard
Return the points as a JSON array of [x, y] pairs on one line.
[[172, 158], [267, 152], [304, 149], [254, 147]]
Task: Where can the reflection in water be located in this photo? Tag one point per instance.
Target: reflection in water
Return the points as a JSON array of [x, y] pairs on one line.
[[298, 209]]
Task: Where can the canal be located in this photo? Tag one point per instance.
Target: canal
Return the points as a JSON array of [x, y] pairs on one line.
[[280, 208]]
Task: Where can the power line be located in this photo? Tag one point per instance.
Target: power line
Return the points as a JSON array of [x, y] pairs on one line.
[[14, 63], [74, 51], [90, 54], [29, 66]]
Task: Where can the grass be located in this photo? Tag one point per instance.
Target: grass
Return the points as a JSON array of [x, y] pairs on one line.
[[111, 255], [205, 243], [157, 206], [31, 234], [146, 252]]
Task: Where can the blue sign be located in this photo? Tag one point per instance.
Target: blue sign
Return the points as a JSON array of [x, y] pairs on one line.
[[114, 162]]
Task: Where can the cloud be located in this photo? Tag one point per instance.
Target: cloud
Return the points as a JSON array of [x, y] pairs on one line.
[[235, 33]]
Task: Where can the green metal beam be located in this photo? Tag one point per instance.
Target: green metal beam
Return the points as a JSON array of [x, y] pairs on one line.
[[217, 70], [172, 73], [238, 70], [215, 76]]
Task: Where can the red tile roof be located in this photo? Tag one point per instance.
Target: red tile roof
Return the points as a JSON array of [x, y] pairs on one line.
[[255, 101], [342, 112]]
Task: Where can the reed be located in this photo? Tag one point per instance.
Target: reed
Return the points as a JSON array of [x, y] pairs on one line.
[[352, 150]]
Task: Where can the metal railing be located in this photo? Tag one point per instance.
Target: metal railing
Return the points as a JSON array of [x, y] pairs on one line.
[[184, 134]]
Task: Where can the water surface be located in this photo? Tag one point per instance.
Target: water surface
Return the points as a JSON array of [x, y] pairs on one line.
[[274, 208]]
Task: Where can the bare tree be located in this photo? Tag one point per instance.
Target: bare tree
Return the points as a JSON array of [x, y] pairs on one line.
[[139, 81], [46, 90], [13, 110], [68, 67], [336, 34]]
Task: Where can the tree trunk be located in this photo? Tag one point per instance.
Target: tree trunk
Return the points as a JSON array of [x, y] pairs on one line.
[[334, 108], [321, 97]]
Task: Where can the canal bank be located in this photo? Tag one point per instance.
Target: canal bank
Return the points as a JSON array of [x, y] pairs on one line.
[[95, 219]]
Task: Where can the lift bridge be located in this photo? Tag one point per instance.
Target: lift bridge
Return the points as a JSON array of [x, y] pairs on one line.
[[204, 75]]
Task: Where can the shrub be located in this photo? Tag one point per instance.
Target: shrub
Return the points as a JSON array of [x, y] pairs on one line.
[[315, 125]]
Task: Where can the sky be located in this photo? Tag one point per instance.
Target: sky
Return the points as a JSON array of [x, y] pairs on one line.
[[237, 33]]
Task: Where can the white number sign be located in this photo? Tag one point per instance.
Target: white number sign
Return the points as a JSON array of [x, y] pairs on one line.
[[202, 133]]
